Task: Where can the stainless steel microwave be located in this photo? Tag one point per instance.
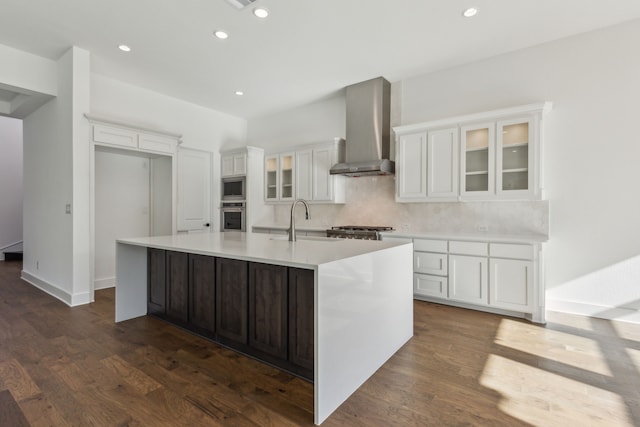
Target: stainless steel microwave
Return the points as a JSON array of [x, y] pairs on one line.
[[234, 188]]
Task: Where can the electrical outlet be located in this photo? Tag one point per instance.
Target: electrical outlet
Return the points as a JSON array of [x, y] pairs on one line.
[[483, 228], [37, 265], [67, 208]]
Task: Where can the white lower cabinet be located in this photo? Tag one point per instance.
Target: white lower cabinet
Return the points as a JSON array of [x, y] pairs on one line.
[[497, 277], [511, 284], [469, 279]]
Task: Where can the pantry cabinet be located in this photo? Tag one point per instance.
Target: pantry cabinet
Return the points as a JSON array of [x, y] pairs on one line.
[[493, 155]]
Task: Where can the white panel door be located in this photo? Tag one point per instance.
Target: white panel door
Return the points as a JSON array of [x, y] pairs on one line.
[[304, 180], [510, 282], [194, 190], [412, 161], [323, 159], [442, 164], [468, 279]]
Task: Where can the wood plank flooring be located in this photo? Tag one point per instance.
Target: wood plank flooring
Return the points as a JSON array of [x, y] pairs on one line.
[[62, 366]]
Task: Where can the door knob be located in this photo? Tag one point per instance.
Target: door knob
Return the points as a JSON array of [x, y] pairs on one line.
[[207, 224]]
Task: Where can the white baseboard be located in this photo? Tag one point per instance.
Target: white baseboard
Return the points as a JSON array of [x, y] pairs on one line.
[[603, 312], [56, 292], [108, 282]]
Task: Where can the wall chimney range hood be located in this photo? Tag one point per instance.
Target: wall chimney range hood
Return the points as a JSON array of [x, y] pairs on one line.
[[368, 130]]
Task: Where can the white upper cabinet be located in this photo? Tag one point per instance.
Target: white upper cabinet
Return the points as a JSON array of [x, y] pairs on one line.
[[442, 164], [477, 161], [303, 173], [411, 178], [486, 156], [233, 164]]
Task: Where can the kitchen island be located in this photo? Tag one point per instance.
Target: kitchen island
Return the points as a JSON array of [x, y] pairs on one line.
[[362, 296]]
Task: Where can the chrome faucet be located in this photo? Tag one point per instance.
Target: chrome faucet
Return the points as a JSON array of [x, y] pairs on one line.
[[292, 221]]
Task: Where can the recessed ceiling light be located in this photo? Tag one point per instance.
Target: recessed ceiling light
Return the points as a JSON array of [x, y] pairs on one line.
[[261, 12], [220, 34], [239, 93], [124, 48], [472, 11]]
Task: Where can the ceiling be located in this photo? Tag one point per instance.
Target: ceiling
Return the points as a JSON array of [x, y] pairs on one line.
[[304, 51]]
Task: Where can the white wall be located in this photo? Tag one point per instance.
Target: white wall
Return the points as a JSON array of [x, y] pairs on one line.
[[590, 160], [10, 183], [121, 207], [591, 154], [55, 242], [315, 122]]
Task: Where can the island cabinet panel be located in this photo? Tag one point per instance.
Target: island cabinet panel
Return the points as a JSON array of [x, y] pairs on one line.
[[156, 278], [301, 318], [232, 289], [268, 308], [177, 286], [202, 278]]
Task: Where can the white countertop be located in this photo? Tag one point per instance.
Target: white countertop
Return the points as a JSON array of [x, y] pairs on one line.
[[474, 237], [306, 252]]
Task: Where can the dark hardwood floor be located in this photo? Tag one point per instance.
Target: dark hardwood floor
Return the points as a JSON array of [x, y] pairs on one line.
[[64, 366]]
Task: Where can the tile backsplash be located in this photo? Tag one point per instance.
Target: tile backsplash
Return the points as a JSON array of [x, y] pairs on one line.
[[371, 201]]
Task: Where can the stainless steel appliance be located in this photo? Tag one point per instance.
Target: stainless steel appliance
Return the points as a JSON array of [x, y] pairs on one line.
[[234, 188], [357, 232], [232, 216]]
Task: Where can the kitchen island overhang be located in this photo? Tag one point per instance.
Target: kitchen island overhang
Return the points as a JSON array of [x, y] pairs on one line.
[[363, 297]]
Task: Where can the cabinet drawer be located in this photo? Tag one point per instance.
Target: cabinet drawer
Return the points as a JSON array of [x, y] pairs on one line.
[[505, 250], [469, 248], [115, 136], [428, 245], [430, 263], [156, 143], [430, 286]]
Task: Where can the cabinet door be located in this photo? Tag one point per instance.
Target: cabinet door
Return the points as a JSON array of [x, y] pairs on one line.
[[412, 161], [232, 288], [202, 293], [240, 164], [511, 284], [226, 164], [430, 286], [287, 178], [304, 174], [115, 136], [271, 178], [514, 158], [468, 279], [442, 164], [301, 318], [268, 308], [156, 277], [177, 285], [323, 159], [477, 161], [194, 190]]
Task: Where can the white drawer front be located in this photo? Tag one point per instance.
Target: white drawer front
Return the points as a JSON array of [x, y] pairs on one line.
[[428, 245], [430, 263], [115, 136], [504, 250], [157, 143], [469, 248], [430, 286]]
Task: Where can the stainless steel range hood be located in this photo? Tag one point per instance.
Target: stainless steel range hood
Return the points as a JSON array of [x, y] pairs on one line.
[[368, 130]]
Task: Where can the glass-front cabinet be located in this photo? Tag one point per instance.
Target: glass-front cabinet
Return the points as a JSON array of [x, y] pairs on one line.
[[279, 177], [477, 161], [513, 156], [496, 159]]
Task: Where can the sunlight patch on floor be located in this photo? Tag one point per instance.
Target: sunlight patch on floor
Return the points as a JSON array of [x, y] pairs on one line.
[[531, 394], [562, 347]]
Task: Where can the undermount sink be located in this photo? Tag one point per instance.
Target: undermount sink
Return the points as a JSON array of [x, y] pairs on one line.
[[311, 238]]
